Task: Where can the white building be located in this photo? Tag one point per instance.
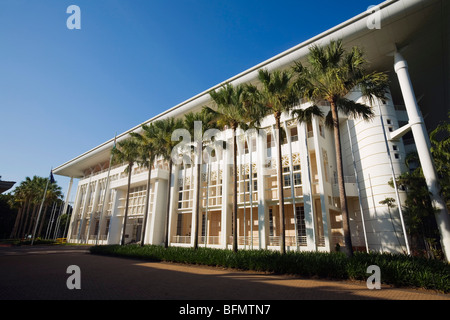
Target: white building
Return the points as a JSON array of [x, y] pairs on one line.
[[392, 33]]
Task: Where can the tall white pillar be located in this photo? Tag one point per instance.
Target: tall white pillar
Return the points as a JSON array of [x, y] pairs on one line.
[[421, 140], [94, 207], [263, 210], [73, 218], [308, 201]]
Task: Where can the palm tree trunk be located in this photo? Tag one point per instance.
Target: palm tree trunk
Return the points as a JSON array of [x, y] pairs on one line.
[[23, 219], [130, 167], [31, 219], [341, 183], [16, 223], [235, 204], [41, 223], [147, 200], [280, 187], [166, 236]]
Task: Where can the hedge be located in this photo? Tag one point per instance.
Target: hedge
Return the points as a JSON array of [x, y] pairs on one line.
[[398, 270]]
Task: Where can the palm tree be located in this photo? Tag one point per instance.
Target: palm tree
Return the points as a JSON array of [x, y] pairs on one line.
[[126, 152], [207, 122], [27, 194], [163, 138], [35, 189], [27, 197], [53, 194], [148, 153], [331, 75], [233, 110], [276, 96], [20, 201]]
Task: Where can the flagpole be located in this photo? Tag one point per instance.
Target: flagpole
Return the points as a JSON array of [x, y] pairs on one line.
[[40, 209]]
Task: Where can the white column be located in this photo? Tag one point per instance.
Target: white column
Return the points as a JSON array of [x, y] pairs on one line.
[[74, 216], [156, 231], [115, 222], [173, 189], [196, 181], [324, 204], [85, 205], [227, 168], [421, 140], [66, 204], [308, 201], [263, 210], [291, 177], [94, 206]]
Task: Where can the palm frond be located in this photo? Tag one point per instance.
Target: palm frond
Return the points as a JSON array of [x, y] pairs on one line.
[[354, 109], [305, 115]]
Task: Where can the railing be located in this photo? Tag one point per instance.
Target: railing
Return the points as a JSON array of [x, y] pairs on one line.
[[181, 239], [210, 240], [289, 241], [347, 179]]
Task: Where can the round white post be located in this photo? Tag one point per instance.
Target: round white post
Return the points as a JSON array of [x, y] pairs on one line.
[[421, 140]]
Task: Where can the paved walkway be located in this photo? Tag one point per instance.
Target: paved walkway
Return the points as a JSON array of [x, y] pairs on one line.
[[41, 273]]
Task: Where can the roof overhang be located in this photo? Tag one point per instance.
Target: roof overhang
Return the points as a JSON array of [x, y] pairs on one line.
[[406, 25], [6, 185]]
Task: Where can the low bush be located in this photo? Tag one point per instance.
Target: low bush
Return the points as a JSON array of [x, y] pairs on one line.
[[397, 270]]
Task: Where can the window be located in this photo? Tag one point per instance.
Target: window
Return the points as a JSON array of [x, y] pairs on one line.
[[287, 180], [394, 147], [294, 135], [301, 226], [270, 223], [179, 224], [255, 186], [321, 129], [269, 140], [397, 156], [297, 179], [203, 225], [388, 121], [180, 198], [325, 164]]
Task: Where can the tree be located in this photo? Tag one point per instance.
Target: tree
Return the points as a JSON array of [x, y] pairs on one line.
[[52, 195], [127, 152], [163, 138], [418, 207], [440, 149], [148, 151], [232, 111], [331, 75], [278, 95], [207, 122], [9, 210], [28, 196]]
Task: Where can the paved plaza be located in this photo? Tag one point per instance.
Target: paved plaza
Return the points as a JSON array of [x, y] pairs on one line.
[[41, 273]]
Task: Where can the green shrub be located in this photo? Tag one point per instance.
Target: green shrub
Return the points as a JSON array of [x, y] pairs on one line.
[[398, 270]]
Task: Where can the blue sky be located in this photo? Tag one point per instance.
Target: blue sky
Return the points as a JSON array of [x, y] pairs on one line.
[[63, 92]]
